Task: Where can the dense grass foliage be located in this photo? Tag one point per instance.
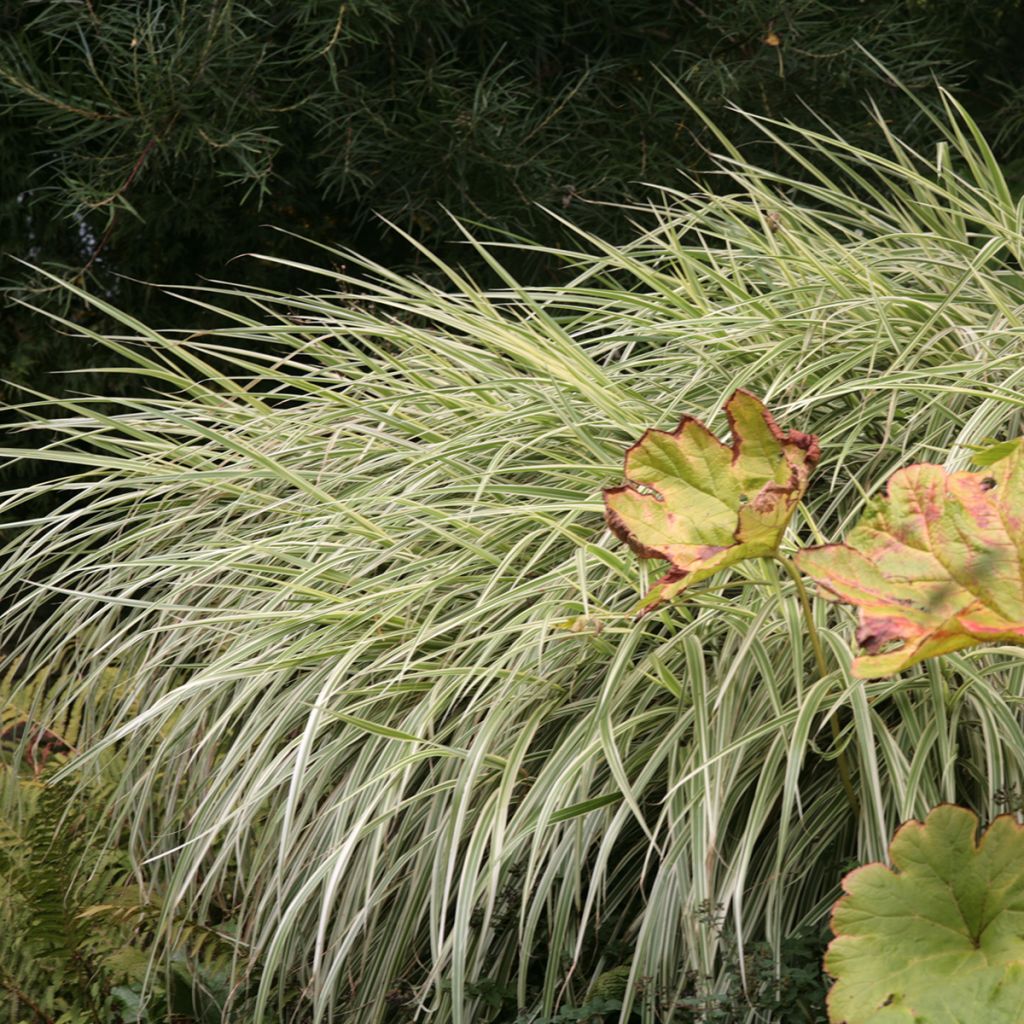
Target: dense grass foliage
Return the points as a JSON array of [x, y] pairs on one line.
[[377, 682]]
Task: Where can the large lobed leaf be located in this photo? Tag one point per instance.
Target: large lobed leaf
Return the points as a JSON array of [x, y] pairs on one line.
[[939, 938], [705, 505], [934, 566]]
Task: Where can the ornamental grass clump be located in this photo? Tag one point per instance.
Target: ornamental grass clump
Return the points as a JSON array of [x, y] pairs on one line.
[[341, 596]]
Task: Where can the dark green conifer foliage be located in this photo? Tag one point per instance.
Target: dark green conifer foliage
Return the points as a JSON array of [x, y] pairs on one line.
[[154, 140]]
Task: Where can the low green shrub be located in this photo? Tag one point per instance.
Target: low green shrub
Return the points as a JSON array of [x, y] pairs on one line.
[[77, 928]]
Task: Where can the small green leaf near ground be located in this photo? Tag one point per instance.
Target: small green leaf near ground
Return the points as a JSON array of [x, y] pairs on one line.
[[940, 934]]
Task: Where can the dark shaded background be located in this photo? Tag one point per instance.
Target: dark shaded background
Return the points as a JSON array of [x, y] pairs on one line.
[[146, 140]]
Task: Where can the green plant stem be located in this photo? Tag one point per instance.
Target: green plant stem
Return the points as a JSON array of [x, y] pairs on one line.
[[819, 658], [23, 997]]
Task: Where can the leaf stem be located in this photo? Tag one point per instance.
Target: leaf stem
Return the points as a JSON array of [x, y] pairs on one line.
[[819, 658], [24, 997]]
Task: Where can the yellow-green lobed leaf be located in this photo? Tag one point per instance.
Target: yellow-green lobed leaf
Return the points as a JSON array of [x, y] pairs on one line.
[[939, 937], [702, 505], [936, 565]]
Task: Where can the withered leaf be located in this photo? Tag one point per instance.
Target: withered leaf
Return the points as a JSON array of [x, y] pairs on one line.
[[934, 566], [702, 505]]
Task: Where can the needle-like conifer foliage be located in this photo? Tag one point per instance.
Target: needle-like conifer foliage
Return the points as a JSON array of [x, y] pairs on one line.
[[147, 140]]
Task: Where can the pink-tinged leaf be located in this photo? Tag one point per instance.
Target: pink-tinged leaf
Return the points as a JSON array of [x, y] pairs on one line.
[[934, 566], [702, 505], [938, 938]]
